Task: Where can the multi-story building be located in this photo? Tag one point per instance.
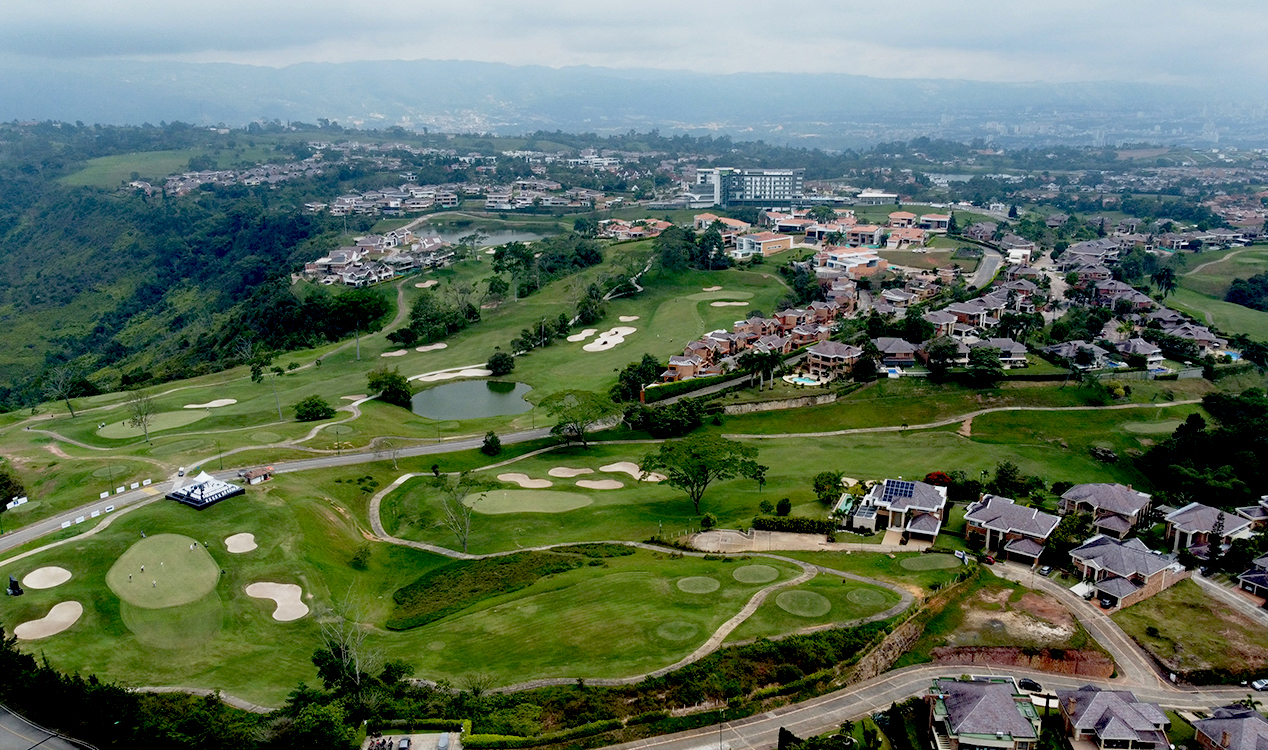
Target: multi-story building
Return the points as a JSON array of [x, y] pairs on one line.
[[753, 187]]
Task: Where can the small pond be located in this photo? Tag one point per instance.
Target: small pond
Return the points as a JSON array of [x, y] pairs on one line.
[[471, 399]]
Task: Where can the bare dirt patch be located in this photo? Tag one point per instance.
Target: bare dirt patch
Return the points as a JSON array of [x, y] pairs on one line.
[[991, 620]]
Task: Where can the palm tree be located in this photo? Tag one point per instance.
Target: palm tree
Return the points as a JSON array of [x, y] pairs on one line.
[[1126, 329], [1165, 279]]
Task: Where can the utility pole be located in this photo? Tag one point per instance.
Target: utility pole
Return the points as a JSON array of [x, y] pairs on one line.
[[220, 455], [358, 343]]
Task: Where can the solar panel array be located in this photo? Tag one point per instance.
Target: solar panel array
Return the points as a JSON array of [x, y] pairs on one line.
[[897, 488]]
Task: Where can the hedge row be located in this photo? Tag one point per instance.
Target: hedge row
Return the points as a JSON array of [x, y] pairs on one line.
[[443, 725], [794, 525], [502, 741], [677, 388]]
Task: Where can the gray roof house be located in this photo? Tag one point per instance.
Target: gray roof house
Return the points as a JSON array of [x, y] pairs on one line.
[[1011, 353], [1193, 528], [916, 508], [895, 351], [1115, 508], [1113, 719], [980, 712], [1006, 526], [1233, 728], [1255, 580], [1124, 572], [1073, 351]]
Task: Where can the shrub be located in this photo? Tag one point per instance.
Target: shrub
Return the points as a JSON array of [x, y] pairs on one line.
[[766, 506], [500, 364], [597, 549], [361, 558], [312, 409], [708, 521], [783, 507], [492, 444]]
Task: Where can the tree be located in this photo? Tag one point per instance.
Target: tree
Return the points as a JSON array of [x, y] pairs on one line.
[[1008, 480], [348, 661], [578, 412], [585, 226], [631, 380], [822, 214], [321, 726], [501, 364], [766, 506], [783, 507], [941, 353], [60, 384], [312, 409], [454, 492], [984, 366], [1071, 531], [827, 486], [142, 410], [1165, 279], [516, 260], [693, 463], [492, 444], [390, 385]]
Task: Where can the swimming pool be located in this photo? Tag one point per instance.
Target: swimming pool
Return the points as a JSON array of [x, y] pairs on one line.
[[804, 381]]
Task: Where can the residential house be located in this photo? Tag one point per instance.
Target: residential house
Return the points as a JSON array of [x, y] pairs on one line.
[[895, 352], [773, 343], [1113, 719], [793, 225], [902, 219], [1013, 242], [866, 235], [1207, 342], [808, 333], [982, 713], [905, 238], [1124, 573], [1152, 355], [1255, 580], [1092, 274], [1012, 355], [1193, 527], [1256, 514], [1232, 728], [1008, 528], [765, 244], [898, 297], [970, 313], [942, 321], [935, 223], [682, 367], [961, 358], [830, 360], [916, 508], [852, 262], [982, 231], [1115, 508], [1081, 354]]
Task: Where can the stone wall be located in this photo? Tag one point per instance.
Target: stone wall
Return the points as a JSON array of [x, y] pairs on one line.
[[1081, 663], [778, 404]]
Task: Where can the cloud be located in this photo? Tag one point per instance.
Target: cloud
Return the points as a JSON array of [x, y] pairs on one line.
[[996, 40]]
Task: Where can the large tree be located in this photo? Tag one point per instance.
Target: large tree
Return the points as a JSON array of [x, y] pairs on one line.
[[578, 412], [693, 463], [60, 384], [142, 410], [457, 511], [391, 385]]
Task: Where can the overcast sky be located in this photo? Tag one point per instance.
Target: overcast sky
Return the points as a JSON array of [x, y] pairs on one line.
[[1203, 42]]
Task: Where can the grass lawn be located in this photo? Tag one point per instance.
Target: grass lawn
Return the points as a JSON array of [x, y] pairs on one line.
[[1181, 732], [112, 171], [1226, 265], [1226, 316], [1187, 630], [936, 257], [822, 600], [883, 567]]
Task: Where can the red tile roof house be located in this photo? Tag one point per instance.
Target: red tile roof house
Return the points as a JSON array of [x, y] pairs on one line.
[[1113, 719], [1193, 528], [773, 343], [1005, 527], [1124, 572], [1232, 728], [902, 219], [829, 360], [1115, 508]]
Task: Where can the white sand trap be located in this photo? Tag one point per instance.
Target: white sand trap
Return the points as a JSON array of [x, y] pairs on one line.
[[59, 618], [628, 318], [213, 404], [710, 288], [525, 481], [490, 251], [428, 284], [567, 473], [354, 397], [631, 468], [287, 596], [239, 543], [728, 304], [587, 333], [609, 339], [600, 484], [46, 578], [471, 372], [431, 347], [397, 353]]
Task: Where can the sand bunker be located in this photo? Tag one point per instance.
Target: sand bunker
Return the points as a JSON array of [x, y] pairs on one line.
[[490, 251], [239, 543], [710, 288], [287, 596], [46, 578], [525, 481], [609, 339], [470, 372], [213, 404], [354, 397], [628, 318], [59, 618], [428, 284], [631, 468], [600, 484], [583, 335], [566, 473], [431, 347], [397, 353], [728, 304]]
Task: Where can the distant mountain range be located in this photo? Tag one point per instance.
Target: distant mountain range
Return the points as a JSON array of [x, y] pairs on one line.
[[832, 109]]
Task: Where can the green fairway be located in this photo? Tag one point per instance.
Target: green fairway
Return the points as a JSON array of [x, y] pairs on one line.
[[496, 502], [163, 421], [931, 562], [1163, 427], [111, 171], [163, 571], [1229, 318]]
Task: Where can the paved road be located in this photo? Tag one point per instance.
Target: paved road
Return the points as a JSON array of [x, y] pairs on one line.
[[16, 733], [991, 260]]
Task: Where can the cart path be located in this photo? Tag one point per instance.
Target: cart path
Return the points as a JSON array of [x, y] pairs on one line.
[[1215, 262]]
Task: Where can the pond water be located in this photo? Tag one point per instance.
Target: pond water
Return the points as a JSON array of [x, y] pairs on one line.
[[492, 237], [471, 399]]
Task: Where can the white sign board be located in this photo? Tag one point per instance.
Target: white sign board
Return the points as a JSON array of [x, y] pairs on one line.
[[135, 485], [65, 524], [103, 496], [79, 520], [146, 482], [94, 514], [118, 490]]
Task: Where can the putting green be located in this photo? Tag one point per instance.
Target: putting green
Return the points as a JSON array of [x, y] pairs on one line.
[[803, 603], [266, 437], [188, 626], [174, 574], [496, 502], [678, 630], [1166, 426], [866, 597], [340, 431], [166, 420], [699, 584], [930, 562], [755, 574], [707, 296], [179, 446]]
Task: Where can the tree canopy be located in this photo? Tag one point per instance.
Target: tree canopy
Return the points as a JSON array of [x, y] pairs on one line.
[[693, 463]]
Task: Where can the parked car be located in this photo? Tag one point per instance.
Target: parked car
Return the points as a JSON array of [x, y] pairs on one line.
[[1028, 684], [1045, 571], [1106, 604], [988, 560], [1260, 684], [404, 744]]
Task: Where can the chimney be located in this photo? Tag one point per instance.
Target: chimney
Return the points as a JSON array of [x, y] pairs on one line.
[[1070, 705], [1226, 739]]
